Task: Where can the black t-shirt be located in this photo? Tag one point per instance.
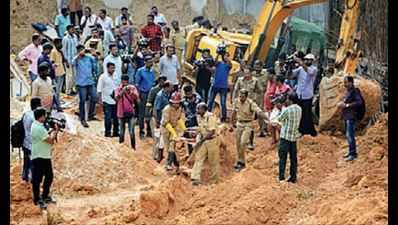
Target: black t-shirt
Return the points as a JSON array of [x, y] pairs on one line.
[[203, 77]]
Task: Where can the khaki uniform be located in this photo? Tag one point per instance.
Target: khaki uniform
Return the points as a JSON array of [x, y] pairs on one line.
[[174, 117], [262, 78], [178, 39], [251, 86], [210, 149], [245, 113]]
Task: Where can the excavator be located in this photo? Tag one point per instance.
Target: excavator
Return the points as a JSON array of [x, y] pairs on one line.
[[256, 46]]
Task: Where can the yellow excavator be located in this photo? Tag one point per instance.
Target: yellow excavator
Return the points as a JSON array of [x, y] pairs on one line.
[[256, 46]]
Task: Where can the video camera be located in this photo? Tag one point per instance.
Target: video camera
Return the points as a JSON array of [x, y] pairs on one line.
[[281, 98], [143, 43], [221, 49], [51, 121], [204, 62]]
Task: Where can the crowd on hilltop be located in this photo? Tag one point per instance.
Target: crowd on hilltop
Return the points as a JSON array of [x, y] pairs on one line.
[[137, 77]]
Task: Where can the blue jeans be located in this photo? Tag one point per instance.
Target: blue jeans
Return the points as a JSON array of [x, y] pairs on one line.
[[59, 82], [223, 94], [32, 76], [110, 119], [203, 92], [27, 164], [87, 92], [122, 127], [350, 134]]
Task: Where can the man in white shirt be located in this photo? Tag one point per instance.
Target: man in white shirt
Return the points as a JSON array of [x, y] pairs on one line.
[[114, 58], [159, 17], [87, 23], [169, 66], [105, 21], [106, 85]]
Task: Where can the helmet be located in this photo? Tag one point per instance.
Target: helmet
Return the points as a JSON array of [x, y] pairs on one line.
[[175, 98], [309, 56]]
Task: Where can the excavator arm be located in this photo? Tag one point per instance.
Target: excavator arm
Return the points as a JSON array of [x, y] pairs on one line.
[[270, 19]]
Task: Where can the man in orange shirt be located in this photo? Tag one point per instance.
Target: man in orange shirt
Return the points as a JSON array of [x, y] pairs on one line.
[[75, 8]]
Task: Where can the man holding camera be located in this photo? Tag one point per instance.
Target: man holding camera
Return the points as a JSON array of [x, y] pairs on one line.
[[220, 83], [305, 74], [203, 70], [42, 142], [86, 70]]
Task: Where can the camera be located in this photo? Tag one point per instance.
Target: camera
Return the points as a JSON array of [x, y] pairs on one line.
[[51, 121], [143, 43], [281, 98], [221, 49]]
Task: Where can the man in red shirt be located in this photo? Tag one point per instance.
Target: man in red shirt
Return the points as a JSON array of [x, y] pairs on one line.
[[153, 32]]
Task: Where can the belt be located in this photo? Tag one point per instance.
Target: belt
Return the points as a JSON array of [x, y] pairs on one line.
[[244, 121]]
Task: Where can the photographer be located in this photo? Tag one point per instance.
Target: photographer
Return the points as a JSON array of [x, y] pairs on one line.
[[203, 71], [141, 50], [305, 74], [42, 142], [220, 83]]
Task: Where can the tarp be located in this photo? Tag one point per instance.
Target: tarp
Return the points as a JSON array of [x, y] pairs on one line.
[[302, 32]]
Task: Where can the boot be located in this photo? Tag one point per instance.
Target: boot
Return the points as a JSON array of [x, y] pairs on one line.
[[121, 139], [160, 155], [132, 140]]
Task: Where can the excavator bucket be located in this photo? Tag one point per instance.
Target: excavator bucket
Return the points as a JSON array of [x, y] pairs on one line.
[[331, 91]]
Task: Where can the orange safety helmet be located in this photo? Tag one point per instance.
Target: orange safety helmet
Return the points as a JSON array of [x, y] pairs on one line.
[[175, 97]]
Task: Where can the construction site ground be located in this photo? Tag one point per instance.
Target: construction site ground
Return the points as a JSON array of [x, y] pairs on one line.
[[99, 181]]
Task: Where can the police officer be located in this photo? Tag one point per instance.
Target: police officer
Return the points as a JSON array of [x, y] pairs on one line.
[[243, 112], [209, 148], [262, 78], [252, 85]]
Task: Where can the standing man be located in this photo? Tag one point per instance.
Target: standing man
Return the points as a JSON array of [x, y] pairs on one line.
[[209, 149], [105, 21], [126, 32], [173, 121], [85, 81], [158, 17], [57, 57], [262, 78], [203, 70], [350, 106], [144, 80], [42, 87], [150, 103], [61, 22], [30, 54], [189, 103], [44, 57], [153, 32], [69, 48], [42, 142], [243, 112], [306, 74], [106, 87], [114, 58], [124, 12], [87, 23], [127, 97], [169, 66], [178, 38], [220, 84], [28, 119], [75, 7], [290, 120]]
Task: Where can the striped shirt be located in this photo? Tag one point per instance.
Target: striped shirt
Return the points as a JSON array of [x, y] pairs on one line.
[[69, 44], [290, 120]]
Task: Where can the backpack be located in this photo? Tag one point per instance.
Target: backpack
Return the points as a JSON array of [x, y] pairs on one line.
[[361, 109], [17, 133]]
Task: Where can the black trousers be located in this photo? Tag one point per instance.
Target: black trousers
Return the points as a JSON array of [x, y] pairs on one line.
[[306, 122], [286, 147], [41, 168], [79, 14]]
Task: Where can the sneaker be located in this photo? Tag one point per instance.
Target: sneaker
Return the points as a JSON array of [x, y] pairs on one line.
[[346, 155], [262, 134], [350, 158], [169, 168], [84, 124], [291, 180], [108, 135], [49, 200], [41, 204], [240, 167], [93, 119], [142, 136], [250, 147]]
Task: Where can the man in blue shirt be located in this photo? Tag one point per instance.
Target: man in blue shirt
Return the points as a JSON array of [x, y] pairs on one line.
[[305, 75], [61, 22], [85, 82], [220, 84], [144, 80], [162, 100]]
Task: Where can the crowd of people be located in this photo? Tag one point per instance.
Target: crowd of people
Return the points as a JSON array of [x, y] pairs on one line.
[[141, 81]]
